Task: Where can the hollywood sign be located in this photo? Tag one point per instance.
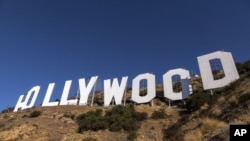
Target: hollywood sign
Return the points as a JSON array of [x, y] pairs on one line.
[[115, 90]]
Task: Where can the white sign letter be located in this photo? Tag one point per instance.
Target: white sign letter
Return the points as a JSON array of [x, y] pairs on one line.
[[64, 98], [85, 90], [185, 82], [228, 64], [23, 105], [150, 88], [114, 90], [48, 95]]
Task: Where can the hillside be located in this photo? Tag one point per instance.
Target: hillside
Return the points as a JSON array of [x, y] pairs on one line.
[[201, 117]]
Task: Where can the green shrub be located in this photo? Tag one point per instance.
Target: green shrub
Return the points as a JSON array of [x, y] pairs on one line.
[[173, 132], [35, 114], [197, 100], [92, 120], [132, 136], [69, 115], [243, 67], [124, 117], [159, 114], [140, 116], [180, 103], [117, 119]]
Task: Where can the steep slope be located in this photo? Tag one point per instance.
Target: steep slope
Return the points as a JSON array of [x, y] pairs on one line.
[[227, 106], [58, 123], [201, 117]]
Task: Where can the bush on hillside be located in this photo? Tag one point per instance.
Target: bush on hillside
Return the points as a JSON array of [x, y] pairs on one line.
[[132, 136], [124, 117], [7, 110], [117, 119], [92, 120], [243, 67], [35, 114], [68, 115], [197, 100], [159, 114]]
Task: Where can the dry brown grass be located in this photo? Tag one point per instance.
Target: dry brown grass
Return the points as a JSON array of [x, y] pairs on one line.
[[245, 118], [233, 100], [204, 107], [216, 111], [221, 99], [194, 135], [208, 124]]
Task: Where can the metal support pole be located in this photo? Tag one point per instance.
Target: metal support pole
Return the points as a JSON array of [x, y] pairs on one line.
[[93, 95], [125, 94], [211, 91]]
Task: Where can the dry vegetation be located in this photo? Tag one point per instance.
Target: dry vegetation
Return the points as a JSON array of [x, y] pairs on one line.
[[203, 117]]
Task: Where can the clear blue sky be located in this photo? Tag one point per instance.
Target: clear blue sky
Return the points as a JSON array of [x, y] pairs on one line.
[[44, 41]]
